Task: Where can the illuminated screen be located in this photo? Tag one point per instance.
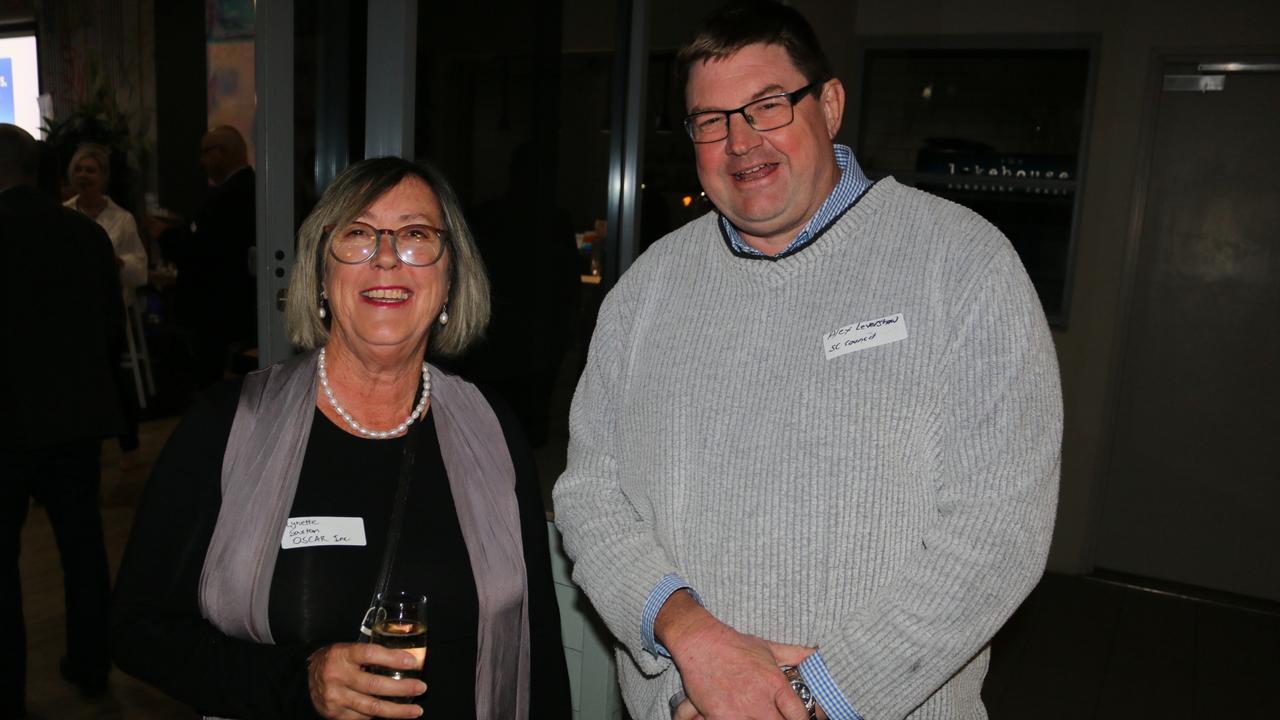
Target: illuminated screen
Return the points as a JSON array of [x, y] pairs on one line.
[[19, 83]]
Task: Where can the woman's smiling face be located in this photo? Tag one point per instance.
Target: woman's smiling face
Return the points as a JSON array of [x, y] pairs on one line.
[[385, 303], [87, 177]]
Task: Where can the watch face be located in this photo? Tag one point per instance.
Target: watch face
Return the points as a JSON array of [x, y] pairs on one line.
[[802, 690], [805, 696]]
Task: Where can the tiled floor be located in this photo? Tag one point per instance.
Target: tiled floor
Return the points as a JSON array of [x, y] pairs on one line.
[[1079, 648]]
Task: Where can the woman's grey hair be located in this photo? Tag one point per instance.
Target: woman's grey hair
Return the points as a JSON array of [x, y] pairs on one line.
[[93, 151], [349, 195]]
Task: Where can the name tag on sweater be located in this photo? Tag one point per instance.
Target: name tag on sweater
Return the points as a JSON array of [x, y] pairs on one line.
[[864, 335], [320, 530]]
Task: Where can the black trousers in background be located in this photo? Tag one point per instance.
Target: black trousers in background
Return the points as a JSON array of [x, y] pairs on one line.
[[129, 409], [64, 478]]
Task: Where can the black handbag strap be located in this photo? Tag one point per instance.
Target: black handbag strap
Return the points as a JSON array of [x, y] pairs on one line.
[[393, 529]]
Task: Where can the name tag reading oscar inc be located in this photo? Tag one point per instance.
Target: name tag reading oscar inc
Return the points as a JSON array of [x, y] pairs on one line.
[[864, 335], [320, 530]]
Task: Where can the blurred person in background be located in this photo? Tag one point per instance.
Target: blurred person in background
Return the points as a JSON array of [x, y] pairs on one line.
[[216, 293], [65, 327], [89, 174]]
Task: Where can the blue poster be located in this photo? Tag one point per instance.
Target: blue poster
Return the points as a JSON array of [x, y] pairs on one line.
[[6, 91]]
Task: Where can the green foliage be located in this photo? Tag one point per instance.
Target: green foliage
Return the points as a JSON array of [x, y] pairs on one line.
[[100, 117]]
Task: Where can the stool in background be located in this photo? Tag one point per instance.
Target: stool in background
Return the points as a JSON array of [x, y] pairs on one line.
[[137, 358]]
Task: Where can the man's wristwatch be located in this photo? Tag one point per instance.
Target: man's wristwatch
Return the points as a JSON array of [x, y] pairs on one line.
[[792, 674]]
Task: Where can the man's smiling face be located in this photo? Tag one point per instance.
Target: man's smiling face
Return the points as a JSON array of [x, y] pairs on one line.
[[767, 183]]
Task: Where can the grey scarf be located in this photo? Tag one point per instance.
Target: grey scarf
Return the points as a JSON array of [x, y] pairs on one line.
[[260, 475]]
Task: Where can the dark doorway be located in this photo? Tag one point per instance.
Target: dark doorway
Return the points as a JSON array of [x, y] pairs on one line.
[[1194, 479]]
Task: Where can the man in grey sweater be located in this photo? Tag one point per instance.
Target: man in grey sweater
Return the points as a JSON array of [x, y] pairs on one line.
[[818, 428]]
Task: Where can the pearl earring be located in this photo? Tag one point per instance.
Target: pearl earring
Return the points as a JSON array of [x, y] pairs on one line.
[[444, 315], [323, 312]]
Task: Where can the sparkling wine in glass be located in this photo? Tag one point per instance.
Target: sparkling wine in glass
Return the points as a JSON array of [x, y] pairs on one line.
[[400, 623]]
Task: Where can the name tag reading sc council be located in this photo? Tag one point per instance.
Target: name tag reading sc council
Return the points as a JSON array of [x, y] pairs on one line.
[[321, 530], [864, 335]]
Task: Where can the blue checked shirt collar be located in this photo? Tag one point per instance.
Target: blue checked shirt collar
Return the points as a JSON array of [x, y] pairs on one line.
[[853, 182]]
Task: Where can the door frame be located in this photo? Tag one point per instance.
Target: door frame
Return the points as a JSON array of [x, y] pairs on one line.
[[274, 185], [1120, 348]]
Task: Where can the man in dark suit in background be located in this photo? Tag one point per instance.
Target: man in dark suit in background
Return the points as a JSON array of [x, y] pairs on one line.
[[216, 290], [65, 328]]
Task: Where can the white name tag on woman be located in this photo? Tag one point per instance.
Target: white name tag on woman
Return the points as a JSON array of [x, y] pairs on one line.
[[321, 530]]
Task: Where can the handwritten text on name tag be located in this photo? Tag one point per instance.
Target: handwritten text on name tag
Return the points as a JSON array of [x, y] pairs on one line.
[[864, 335], [320, 530]]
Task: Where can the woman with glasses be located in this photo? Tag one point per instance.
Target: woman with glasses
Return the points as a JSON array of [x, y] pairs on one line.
[[282, 504]]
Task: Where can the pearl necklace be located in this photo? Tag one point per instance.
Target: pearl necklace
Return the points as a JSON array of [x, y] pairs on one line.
[[377, 434]]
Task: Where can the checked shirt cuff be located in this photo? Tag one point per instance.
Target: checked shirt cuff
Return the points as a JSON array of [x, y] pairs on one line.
[[665, 588], [815, 674]]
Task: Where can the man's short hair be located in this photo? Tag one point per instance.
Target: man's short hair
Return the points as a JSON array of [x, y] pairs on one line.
[[19, 156], [750, 22]]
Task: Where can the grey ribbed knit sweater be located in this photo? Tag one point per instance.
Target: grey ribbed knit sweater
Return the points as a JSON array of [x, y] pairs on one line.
[[891, 505]]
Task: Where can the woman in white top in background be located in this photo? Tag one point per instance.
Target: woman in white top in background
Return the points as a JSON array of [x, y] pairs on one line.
[[89, 173]]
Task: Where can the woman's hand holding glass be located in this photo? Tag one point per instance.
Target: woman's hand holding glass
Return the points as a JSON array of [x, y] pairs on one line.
[[342, 689]]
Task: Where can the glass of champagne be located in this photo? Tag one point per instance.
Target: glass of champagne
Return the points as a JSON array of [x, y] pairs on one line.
[[400, 623]]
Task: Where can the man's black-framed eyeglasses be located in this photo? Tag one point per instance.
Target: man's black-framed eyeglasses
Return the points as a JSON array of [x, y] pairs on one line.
[[357, 242], [766, 113]]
